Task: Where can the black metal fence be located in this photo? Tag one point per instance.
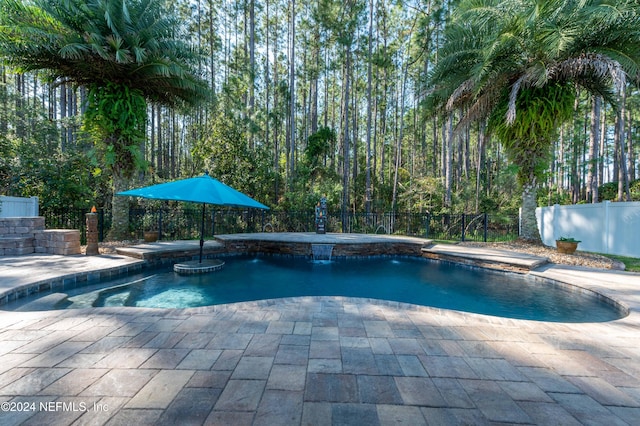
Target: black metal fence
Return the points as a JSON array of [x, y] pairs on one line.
[[66, 219], [184, 222]]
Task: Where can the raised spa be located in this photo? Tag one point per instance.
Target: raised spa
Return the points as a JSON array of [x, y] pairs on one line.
[[410, 280]]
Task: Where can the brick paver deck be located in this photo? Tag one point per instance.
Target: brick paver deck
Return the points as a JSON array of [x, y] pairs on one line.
[[318, 361]]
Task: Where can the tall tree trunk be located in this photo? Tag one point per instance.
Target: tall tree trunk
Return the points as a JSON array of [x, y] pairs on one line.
[[480, 163], [63, 115], [174, 144], [367, 191], [398, 150], [383, 124], [575, 178], [528, 223], [4, 101], [467, 153], [152, 148], [354, 139], [560, 179], [252, 71], [631, 158], [313, 85], [619, 140], [326, 87], [448, 159], [384, 95], [603, 145], [553, 175], [119, 208], [594, 141], [160, 144], [374, 148], [304, 105], [212, 49], [19, 78], [267, 83], [276, 120], [459, 157], [71, 104], [292, 88], [345, 140], [434, 147], [313, 103]]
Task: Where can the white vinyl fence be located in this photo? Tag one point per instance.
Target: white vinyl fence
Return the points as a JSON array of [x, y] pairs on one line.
[[18, 207], [609, 228]]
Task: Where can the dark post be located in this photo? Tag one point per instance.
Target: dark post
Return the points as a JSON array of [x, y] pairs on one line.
[[202, 233], [101, 225], [486, 225], [92, 233], [463, 226], [426, 225]]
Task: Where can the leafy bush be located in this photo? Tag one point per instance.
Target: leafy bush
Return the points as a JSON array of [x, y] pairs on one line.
[[609, 191]]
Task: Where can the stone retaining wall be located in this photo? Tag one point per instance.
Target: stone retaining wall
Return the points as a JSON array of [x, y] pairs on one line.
[[26, 235], [58, 241], [364, 249], [15, 227]]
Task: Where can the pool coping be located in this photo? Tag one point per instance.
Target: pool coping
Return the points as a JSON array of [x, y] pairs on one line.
[[145, 255]]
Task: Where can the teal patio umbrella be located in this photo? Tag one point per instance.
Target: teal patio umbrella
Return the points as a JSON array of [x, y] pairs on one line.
[[202, 189]]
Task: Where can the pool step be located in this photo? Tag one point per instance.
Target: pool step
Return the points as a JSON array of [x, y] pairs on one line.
[[45, 303], [170, 251], [485, 258]]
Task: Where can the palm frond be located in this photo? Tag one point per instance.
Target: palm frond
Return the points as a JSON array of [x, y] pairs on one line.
[[101, 41], [589, 66], [463, 91]]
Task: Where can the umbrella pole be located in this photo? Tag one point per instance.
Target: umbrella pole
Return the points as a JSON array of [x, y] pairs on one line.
[[202, 233]]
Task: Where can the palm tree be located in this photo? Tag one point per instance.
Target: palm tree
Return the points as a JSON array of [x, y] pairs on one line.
[[516, 64], [126, 52]]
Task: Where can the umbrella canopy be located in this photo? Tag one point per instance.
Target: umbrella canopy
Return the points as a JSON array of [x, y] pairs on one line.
[[202, 189]]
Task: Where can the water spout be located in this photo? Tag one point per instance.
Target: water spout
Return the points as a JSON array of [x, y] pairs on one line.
[[321, 252]]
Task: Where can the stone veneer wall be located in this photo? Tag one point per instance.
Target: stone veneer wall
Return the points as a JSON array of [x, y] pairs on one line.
[[26, 235], [339, 249]]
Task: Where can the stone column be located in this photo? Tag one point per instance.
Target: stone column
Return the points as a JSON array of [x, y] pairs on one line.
[[92, 234]]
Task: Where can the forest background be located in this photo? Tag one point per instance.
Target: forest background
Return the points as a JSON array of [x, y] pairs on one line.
[[325, 97]]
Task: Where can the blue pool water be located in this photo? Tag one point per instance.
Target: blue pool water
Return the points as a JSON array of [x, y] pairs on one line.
[[408, 280]]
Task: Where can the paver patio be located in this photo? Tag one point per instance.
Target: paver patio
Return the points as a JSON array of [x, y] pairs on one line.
[[317, 361]]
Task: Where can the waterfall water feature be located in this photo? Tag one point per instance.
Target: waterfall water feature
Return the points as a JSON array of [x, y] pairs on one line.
[[321, 252]]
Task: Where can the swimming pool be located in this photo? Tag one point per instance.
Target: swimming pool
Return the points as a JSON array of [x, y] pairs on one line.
[[409, 280]]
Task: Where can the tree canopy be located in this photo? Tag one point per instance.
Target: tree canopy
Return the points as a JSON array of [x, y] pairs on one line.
[[125, 52], [132, 43], [517, 64], [409, 106]]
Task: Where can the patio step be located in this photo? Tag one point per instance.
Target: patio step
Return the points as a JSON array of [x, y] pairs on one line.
[[13, 246]]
